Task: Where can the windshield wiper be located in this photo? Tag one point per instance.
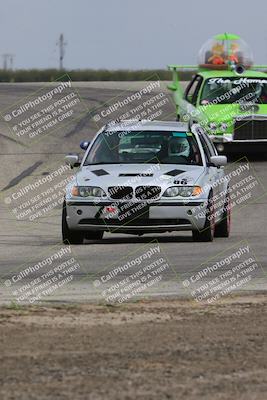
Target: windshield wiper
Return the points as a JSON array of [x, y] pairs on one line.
[[102, 163]]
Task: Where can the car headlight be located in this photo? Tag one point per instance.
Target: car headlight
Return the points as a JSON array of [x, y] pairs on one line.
[[212, 126], [223, 126], [171, 192], [87, 191], [184, 191]]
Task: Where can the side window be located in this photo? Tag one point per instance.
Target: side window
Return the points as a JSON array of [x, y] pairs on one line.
[[192, 89]]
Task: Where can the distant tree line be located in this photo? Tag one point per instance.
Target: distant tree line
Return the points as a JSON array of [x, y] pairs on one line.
[[49, 75]]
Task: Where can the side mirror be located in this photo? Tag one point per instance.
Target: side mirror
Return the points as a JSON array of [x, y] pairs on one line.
[[72, 160], [190, 98], [172, 86], [84, 145], [218, 161]]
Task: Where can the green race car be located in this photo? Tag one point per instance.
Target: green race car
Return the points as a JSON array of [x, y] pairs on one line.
[[228, 95]]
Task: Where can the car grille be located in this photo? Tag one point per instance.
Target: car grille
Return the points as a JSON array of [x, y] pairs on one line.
[[120, 192], [250, 130], [147, 192], [135, 222]]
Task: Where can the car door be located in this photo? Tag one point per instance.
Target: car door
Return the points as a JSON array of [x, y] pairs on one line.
[[213, 152], [217, 174], [190, 97]]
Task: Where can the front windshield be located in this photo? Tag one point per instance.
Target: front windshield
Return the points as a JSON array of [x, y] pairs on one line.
[[137, 147], [233, 90]]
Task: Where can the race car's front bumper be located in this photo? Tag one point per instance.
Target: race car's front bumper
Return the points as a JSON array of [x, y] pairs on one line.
[[160, 216], [249, 134], [227, 144]]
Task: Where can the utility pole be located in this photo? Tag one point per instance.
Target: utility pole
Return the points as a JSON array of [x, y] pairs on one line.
[[7, 61], [62, 46]]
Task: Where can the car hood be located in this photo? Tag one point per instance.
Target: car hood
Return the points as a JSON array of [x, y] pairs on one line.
[[138, 174], [226, 112]]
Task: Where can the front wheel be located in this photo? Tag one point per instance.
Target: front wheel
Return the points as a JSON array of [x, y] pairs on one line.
[[223, 227], [93, 235], [68, 235], [207, 233]]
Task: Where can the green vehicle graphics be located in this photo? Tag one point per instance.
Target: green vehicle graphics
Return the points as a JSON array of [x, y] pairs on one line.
[[227, 96]]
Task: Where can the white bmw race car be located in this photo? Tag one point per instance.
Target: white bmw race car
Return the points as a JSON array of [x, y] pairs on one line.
[[144, 177]]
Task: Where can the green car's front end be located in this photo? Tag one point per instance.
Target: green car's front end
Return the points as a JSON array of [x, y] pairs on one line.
[[229, 100], [233, 108]]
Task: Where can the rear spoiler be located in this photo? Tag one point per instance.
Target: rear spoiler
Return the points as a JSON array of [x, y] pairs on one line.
[[175, 85], [182, 67]]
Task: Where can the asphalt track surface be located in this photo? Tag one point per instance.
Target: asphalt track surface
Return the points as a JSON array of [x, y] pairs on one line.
[[25, 243]]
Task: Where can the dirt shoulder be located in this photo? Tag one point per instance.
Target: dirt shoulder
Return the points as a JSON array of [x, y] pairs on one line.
[[164, 349]]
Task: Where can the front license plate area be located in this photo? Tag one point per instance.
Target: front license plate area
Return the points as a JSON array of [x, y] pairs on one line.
[[132, 212]]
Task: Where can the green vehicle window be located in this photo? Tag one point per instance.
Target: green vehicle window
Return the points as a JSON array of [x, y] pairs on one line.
[[234, 90], [192, 89]]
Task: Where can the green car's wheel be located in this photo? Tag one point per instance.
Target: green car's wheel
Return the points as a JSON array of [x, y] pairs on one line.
[[207, 234], [68, 235]]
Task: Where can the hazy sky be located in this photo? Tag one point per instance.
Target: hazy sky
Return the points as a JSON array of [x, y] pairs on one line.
[[128, 34]]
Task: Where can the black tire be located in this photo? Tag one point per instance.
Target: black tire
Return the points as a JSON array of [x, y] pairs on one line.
[[93, 235], [223, 227], [207, 233], [68, 235]]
